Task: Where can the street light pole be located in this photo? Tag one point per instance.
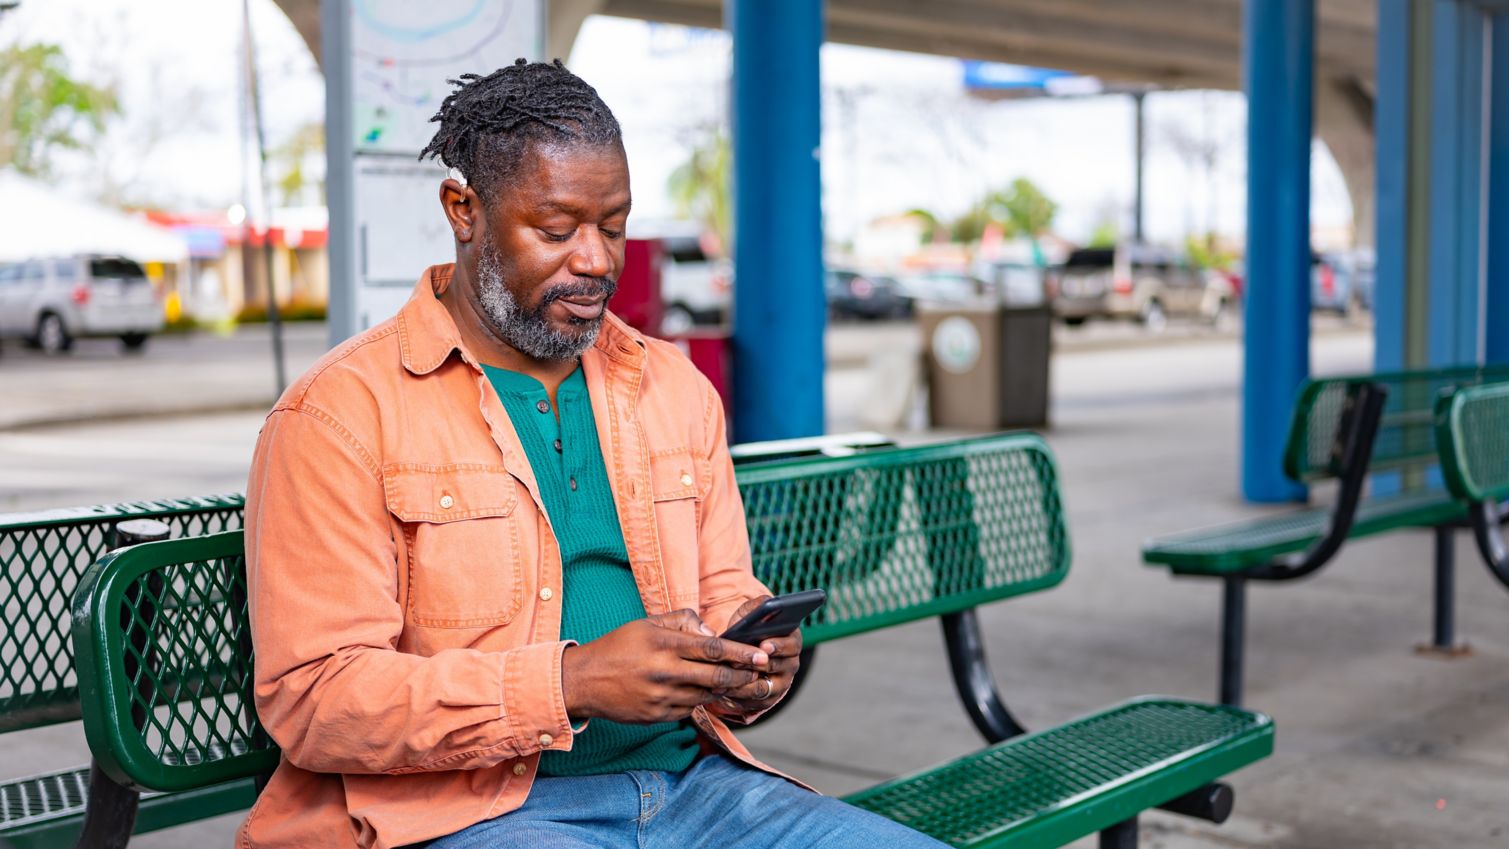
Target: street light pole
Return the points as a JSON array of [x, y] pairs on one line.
[[254, 88]]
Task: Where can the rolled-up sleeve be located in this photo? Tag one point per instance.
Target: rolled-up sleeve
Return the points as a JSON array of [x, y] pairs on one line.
[[331, 687]]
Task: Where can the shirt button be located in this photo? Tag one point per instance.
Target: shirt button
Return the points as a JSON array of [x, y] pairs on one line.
[[557, 446], [546, 739], [573, 484], [520, 769], [543, 406], [446, 501], [686, 480], [546, 594]]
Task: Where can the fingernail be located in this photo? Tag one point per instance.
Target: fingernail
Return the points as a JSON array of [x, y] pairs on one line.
[[702, 626], [761, 658]]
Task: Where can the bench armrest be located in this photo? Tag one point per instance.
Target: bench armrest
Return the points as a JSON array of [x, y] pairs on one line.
[[163, 649]]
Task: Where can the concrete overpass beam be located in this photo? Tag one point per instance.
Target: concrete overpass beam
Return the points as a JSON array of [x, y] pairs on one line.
[[1344, 121], [564, 20]]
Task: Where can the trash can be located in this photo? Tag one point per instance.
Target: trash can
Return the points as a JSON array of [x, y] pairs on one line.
[[987, 363]]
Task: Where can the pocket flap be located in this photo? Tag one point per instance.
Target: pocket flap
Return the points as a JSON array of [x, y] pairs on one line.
[[422, 493], [673, 475]]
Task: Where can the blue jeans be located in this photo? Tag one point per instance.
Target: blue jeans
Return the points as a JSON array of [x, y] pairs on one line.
[[717, 803]]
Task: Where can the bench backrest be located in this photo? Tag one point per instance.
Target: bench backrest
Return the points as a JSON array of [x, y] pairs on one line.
[[42, 557], [163, 642], [900, 534], [1473, 429], [1406, 437]]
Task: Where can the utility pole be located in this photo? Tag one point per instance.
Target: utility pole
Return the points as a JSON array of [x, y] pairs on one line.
[[1141, 131], [253, 86]]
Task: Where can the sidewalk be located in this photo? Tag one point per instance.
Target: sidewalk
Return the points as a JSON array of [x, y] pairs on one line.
[[201, 373]]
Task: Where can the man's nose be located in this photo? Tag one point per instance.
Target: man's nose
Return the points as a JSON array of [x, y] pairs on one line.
[[592, 257]]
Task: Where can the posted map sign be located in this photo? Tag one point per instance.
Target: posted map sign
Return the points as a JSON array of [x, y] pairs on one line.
[[387, 63]]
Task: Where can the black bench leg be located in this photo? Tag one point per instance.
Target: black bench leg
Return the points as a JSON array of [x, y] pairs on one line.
[[1122, 835], [1443, 639], [1446, 626], [1233, 636], [110, 814]]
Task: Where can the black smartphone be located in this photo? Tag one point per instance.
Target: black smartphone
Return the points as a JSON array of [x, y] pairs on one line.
[[775, 617]]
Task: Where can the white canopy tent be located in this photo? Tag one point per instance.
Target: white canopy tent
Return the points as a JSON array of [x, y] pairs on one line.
[[37, 220]]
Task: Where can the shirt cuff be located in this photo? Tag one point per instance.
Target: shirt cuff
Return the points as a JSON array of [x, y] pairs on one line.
[[534, 699]]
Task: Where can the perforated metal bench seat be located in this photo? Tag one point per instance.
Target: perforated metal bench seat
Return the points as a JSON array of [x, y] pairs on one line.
[[47, 810], [1050, 788], [1237, 546]]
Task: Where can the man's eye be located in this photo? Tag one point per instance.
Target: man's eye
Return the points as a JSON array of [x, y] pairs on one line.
[[556, 237], [611, 234]]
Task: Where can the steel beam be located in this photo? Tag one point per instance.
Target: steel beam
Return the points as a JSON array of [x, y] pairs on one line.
[[1278, 67], [779, 304]]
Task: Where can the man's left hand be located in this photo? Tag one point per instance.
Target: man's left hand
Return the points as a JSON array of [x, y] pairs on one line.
[[785, 659]]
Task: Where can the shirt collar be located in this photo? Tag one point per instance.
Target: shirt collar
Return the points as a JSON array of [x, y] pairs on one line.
[[427, 334]]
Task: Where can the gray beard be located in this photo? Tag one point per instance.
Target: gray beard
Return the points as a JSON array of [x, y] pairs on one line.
[[528, 331]]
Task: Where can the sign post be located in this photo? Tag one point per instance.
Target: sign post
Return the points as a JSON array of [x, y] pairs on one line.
[[387, 66]]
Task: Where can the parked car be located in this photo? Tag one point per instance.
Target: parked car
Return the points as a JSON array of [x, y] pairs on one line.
[[1132, 281], [853, 294], [1013, 283], [943, 287], [695, 288], [51, 302], [1341, 282]]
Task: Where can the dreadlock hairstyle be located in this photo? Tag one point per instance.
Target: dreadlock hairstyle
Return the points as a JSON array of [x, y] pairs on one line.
[[489, 123]]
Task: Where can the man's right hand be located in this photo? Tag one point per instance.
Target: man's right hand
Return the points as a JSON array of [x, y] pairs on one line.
[[655, 669]]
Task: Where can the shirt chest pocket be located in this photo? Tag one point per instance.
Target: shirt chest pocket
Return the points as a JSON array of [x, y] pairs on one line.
[[462, 541], [674, 488]]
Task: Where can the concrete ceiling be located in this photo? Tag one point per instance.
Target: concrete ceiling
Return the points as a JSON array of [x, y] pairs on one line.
[[1168, 43], [1177, 43]]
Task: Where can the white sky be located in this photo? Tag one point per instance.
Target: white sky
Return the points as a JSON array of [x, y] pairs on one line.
[[899, 132]]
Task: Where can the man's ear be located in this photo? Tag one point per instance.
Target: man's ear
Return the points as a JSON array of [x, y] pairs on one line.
[[463, 209]]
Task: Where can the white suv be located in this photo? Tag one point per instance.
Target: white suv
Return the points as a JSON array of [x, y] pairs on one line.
[[51, 302]]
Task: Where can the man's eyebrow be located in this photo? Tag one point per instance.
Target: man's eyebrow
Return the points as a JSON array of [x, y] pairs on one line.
[[549, 206]]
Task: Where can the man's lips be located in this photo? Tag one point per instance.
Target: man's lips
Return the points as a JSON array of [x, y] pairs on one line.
[[583, 308]]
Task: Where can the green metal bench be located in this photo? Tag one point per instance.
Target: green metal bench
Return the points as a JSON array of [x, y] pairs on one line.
[[1472, 428], [1349, 430], [42, 557], [160, 632]]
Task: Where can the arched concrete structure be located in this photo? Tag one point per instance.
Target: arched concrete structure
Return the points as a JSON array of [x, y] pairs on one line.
[[1172, 43]]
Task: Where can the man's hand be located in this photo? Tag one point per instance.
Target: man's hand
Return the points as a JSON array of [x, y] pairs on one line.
[[784, 653], [656, 669]]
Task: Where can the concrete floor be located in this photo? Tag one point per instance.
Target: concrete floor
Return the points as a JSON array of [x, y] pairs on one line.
[[1378, 746]]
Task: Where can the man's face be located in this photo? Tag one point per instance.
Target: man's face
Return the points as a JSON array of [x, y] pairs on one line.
[[552, 249]]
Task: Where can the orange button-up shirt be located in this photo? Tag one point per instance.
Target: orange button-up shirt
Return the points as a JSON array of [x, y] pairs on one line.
[[405, 582]]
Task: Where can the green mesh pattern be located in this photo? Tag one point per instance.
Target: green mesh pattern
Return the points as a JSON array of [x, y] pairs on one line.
[[42, 556], [186, 657], [42, 797], [1475, 443], [902, 534], [1064, 772], [1406, 434]]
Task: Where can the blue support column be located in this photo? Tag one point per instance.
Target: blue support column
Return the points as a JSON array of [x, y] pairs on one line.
[[1391, 123], [1496, 298], [779, 307], [1455, 283], [1278, 69]]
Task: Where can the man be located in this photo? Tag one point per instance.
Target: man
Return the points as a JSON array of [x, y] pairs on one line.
[[490, 542]]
